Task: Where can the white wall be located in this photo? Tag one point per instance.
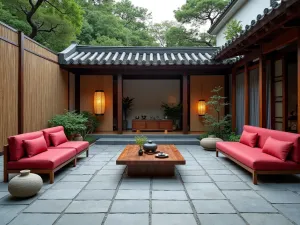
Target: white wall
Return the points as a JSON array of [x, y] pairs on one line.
[[245, 14], [149, 94]]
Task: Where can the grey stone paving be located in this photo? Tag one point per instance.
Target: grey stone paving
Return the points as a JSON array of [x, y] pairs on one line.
[[205, 191]]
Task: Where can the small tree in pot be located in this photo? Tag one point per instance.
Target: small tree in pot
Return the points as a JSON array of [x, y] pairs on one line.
[[127, 104], [218, 124]]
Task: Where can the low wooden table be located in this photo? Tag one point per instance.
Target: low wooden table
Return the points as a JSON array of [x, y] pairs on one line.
[[149, 165]]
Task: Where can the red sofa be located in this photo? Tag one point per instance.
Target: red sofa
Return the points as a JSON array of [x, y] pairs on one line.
[[256, 160], [52, 158]]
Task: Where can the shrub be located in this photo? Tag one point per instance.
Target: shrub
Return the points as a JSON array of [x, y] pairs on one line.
[[91, 124], [72, 122]]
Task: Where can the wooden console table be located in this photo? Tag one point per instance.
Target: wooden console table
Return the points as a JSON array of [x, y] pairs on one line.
[[152, 125]]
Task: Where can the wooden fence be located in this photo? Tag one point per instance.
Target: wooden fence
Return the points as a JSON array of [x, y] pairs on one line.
[[33, 88]]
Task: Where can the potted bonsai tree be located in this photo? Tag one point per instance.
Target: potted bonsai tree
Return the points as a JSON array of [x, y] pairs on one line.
[[217, 123], [127, 104]]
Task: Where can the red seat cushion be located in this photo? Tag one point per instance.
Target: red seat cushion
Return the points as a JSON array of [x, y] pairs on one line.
[[45, 160], [48, 131], [278, 149], [58, 138], [16, 145], [35, 146], [248, 138], [78, 145], [254, 158]]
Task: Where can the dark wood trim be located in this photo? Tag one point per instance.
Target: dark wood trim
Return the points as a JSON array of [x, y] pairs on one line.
[[120, 107], [77, 92], [185, 103], [39, 55], [256, 172], [226, 92], [21, 83], [284, 97], [8, 41], [272, 71], [298, 79], [262, 92], [253, 67], [246, 94], [233, 99]]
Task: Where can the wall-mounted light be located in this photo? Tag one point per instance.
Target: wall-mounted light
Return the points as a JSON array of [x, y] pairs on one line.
[[201, 108], [99, 102]]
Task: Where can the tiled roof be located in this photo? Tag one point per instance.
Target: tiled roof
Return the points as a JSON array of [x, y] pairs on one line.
[[267, 12], [140, 56]]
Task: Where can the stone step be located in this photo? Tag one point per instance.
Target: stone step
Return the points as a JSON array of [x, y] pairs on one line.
[[149, 136]]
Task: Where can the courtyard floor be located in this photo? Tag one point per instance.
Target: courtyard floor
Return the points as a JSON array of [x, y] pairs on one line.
[[206, 191]]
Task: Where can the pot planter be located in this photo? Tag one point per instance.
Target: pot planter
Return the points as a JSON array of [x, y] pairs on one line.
[[78, 137], [25, 185], [210, 142], [150, 146]]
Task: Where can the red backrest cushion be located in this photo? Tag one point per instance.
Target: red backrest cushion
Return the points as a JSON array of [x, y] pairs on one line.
[[35, 146], [264, 133], [249, 139], [16, 147], [278, 149], [48, 131], [58, 138]]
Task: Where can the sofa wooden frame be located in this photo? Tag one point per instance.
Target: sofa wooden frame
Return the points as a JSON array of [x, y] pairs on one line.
[[6, 171], [256, 172]]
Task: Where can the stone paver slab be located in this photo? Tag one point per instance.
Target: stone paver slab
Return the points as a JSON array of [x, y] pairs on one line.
[[130, 206], [205, 194], [221, 219], [135, 185], [175, 207], [81, 177], [69, 185], [80, 219], [219, 172], [280, 196], [127, 219], [108, 185], [95, 195], [48, 206], [8, 212], [34, 219], [226, 178], [213, 206], [196, 179], [60, 194], [265, 219], [169, 195], [99, 206], [133, 194], [167, 185], [232, 186], [292, 211], [173, 219]]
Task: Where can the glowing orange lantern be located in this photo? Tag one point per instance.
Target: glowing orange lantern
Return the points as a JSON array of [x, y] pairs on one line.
[[99, 102], [201, 108]]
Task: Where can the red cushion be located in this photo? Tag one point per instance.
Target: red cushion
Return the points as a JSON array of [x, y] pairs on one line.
[[278, 149], [45, 160], [16, 148], [58, 138], [263, 135], [48, 131], [78, 145], [248, 139], [35, 146], [254, 158]]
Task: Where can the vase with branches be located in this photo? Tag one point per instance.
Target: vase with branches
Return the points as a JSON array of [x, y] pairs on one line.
[[127, 104], [219, 125]]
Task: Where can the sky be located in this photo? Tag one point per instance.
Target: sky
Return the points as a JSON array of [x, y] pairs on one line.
[[161, 9]]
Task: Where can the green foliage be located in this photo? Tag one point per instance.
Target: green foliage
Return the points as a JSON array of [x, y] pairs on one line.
[[233, 28], [140, 140], [91, 139], [127, 104], [204, 135], [173, 112], [219, 125], [91, 124], [73, 123], [233, 137]]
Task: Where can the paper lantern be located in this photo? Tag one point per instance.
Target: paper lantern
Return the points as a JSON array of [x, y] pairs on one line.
[[201, 108], [99, 102]]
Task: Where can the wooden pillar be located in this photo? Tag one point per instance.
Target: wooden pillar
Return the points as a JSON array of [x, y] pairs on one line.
[[77, 92], [246, 94], [120, 106], [233, 99], [21, 84], [185, 103], [262, 91], [298, 81]]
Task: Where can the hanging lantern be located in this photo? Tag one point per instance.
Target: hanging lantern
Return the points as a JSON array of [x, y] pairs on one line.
[[201, 108], [99, 102]]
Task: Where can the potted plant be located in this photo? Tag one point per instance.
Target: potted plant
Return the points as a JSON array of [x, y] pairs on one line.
[[218, 124], [172, 112], [73, 123], [127, 104], [140, 141], [91, 124]]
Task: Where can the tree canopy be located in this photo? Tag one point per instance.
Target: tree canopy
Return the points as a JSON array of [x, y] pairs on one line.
[[233, 28]]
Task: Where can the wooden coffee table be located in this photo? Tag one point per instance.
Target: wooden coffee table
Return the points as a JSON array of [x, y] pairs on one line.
[[149, 165]]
